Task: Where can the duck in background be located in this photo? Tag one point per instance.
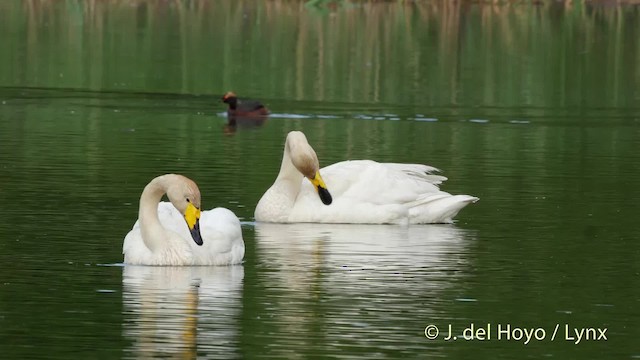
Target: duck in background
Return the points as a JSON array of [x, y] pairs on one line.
[[245, 113], [243, 107]]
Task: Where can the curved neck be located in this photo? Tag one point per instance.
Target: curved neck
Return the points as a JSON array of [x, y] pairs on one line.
[[289, 176], [153, 234]]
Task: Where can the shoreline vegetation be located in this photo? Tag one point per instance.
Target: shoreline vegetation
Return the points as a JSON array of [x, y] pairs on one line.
[[446, 44]]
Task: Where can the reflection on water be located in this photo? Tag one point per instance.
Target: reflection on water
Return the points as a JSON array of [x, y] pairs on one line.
[[182, 311], [235, 122], [340, 286], [532, 108], [437, 53], [355, 247]]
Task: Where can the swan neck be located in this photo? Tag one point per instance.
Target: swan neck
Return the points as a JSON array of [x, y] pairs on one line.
[[153, 234], [288, 171], [289, 178]]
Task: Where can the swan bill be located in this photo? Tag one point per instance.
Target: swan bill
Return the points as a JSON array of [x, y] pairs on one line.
[[195, 233], [192, 216], [325, 196], [321, 187]]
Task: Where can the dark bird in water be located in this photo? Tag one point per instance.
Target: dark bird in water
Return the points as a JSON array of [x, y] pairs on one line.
[[243, 113], [243, 107]]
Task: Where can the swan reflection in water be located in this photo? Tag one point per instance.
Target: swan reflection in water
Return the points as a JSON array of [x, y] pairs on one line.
[[355, 246], [337, 285], [182, 311]]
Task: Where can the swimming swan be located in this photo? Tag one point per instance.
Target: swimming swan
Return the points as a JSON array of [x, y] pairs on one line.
[[177, 233], [362, 191]]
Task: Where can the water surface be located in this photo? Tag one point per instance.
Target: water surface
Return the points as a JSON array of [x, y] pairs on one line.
[[534, 109]]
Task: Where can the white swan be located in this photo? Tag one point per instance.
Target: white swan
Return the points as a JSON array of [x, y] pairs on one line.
[[364, 191], [161, 236]]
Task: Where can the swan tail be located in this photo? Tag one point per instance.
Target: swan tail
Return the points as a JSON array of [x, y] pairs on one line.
[[438, 208]]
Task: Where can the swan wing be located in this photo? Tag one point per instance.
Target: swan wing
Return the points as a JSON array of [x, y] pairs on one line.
[[222, 237], [366, 191], [220, 230]]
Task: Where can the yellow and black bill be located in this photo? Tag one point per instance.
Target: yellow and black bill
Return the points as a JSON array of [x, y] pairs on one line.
[[321, 188], [192, 216]]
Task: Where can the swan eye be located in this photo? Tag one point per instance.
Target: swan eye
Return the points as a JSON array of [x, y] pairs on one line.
[[188, 200]]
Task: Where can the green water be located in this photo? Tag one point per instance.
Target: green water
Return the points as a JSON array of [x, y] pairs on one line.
[[534, 109]]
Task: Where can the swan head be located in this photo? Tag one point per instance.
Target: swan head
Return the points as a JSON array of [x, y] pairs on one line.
[[304, 158], [185, 196]]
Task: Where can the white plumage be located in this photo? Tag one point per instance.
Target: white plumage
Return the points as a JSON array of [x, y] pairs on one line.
[[363, 191], [167, 240]]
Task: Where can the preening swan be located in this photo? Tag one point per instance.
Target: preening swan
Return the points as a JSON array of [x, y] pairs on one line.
[[358, 191], [177, 233]]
